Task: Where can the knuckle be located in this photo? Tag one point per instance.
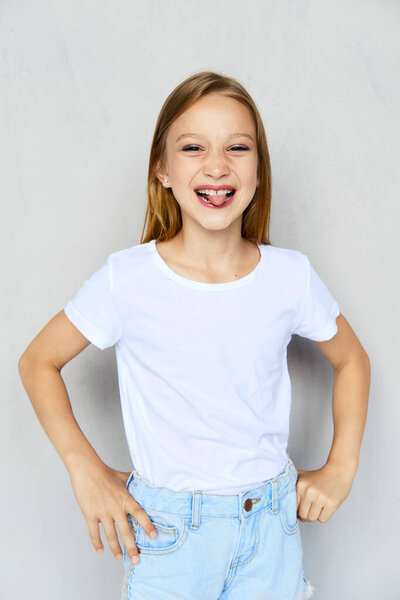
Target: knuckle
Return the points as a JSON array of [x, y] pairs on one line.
[[119, 515], [92, 518], [96, 541], [132, 504], [113, 541], [139, 512], [132, 549], [92, 523], [95, 537], [125, 529]]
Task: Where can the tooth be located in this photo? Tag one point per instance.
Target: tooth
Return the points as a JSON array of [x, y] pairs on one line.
[[214, 192]]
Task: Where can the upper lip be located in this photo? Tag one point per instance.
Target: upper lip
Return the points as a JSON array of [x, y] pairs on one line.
[[207, 186]]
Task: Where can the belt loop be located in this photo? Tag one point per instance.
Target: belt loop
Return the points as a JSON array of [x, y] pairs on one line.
[[133, 473], [274, 493], [196, 509]]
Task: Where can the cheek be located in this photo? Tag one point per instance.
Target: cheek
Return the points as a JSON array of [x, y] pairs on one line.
[[247, 171], [182, 176], [181, 171]]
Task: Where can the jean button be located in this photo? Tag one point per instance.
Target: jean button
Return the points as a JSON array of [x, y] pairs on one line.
[[248, 504]]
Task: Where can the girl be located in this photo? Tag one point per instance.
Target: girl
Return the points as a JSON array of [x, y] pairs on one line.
[[201, 313]]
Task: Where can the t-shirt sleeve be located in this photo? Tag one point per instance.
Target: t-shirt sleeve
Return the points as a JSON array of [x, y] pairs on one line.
[[319, 309], [94, 311]]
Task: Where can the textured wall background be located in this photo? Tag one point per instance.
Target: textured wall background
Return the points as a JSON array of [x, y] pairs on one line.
[[81, 85]]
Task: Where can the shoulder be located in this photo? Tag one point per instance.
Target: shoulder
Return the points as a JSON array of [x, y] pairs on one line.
[[285, 258], [131, 256], [286, 269], [130, 265]]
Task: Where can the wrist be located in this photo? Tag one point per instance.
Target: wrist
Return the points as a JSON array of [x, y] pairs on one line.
[[74, 461], [345, 464]]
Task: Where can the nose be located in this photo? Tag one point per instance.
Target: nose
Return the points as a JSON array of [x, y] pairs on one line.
[[217, 165]]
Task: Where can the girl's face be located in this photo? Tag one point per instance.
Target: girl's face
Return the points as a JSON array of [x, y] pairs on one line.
[[213, 143]]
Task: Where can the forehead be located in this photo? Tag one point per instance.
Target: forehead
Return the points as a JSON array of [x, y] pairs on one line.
[[214, 116]]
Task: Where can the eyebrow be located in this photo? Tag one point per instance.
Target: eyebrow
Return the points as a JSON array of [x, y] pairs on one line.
[[199, 135]]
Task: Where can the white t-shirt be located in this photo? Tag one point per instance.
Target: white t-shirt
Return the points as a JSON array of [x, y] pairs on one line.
[[202, 367]]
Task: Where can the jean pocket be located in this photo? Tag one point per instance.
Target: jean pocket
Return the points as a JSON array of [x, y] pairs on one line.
[[172, 531], [288, 512]]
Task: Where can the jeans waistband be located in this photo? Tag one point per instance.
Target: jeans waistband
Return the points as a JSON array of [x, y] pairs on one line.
[[195, 503]]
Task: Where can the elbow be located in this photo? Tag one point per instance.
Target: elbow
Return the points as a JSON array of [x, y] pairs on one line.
[[364, 357], [23, 363]]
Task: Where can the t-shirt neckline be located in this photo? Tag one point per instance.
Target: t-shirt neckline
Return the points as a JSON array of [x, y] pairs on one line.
[[202, 285]]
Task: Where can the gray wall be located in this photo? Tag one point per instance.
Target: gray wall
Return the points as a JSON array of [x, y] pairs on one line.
[[81, 86]]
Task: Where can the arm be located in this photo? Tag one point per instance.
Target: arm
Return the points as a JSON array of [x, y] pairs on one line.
[[352, 376], [99, 490], [321, 492], [40, 370]]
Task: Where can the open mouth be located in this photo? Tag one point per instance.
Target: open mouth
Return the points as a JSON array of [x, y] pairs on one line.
[[215, 198]]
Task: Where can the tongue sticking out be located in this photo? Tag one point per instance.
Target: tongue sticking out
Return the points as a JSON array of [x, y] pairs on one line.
[[216, 200]]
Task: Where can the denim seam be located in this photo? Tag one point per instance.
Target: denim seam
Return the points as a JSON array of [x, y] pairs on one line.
[[166, 512], [257, 539], [169, 549], [126, 582], [287, 529]]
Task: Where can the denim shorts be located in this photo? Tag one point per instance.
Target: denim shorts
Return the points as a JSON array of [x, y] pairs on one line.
[[217, 546]]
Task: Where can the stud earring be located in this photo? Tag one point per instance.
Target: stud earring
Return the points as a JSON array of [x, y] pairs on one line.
[[165, 182]]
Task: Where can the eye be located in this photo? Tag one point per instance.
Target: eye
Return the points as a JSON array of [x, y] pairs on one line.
[[192, 147]]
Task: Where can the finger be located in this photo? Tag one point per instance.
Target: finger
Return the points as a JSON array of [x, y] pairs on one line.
[[142, 517], [128, 538], [93, 526], [325, 514], [304, 508], [111, 535], [315, 511]]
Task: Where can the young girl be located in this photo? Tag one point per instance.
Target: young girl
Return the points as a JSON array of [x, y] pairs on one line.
[[201, 313]]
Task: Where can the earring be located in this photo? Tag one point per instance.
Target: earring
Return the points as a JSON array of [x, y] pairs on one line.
[[165, 182]]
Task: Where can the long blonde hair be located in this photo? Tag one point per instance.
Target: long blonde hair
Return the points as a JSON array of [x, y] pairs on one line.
[[163, 217]]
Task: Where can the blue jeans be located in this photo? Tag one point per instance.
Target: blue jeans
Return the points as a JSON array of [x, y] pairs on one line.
[[216, 546]]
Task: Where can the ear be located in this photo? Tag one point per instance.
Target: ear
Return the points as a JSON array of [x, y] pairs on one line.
[[161, 175]]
